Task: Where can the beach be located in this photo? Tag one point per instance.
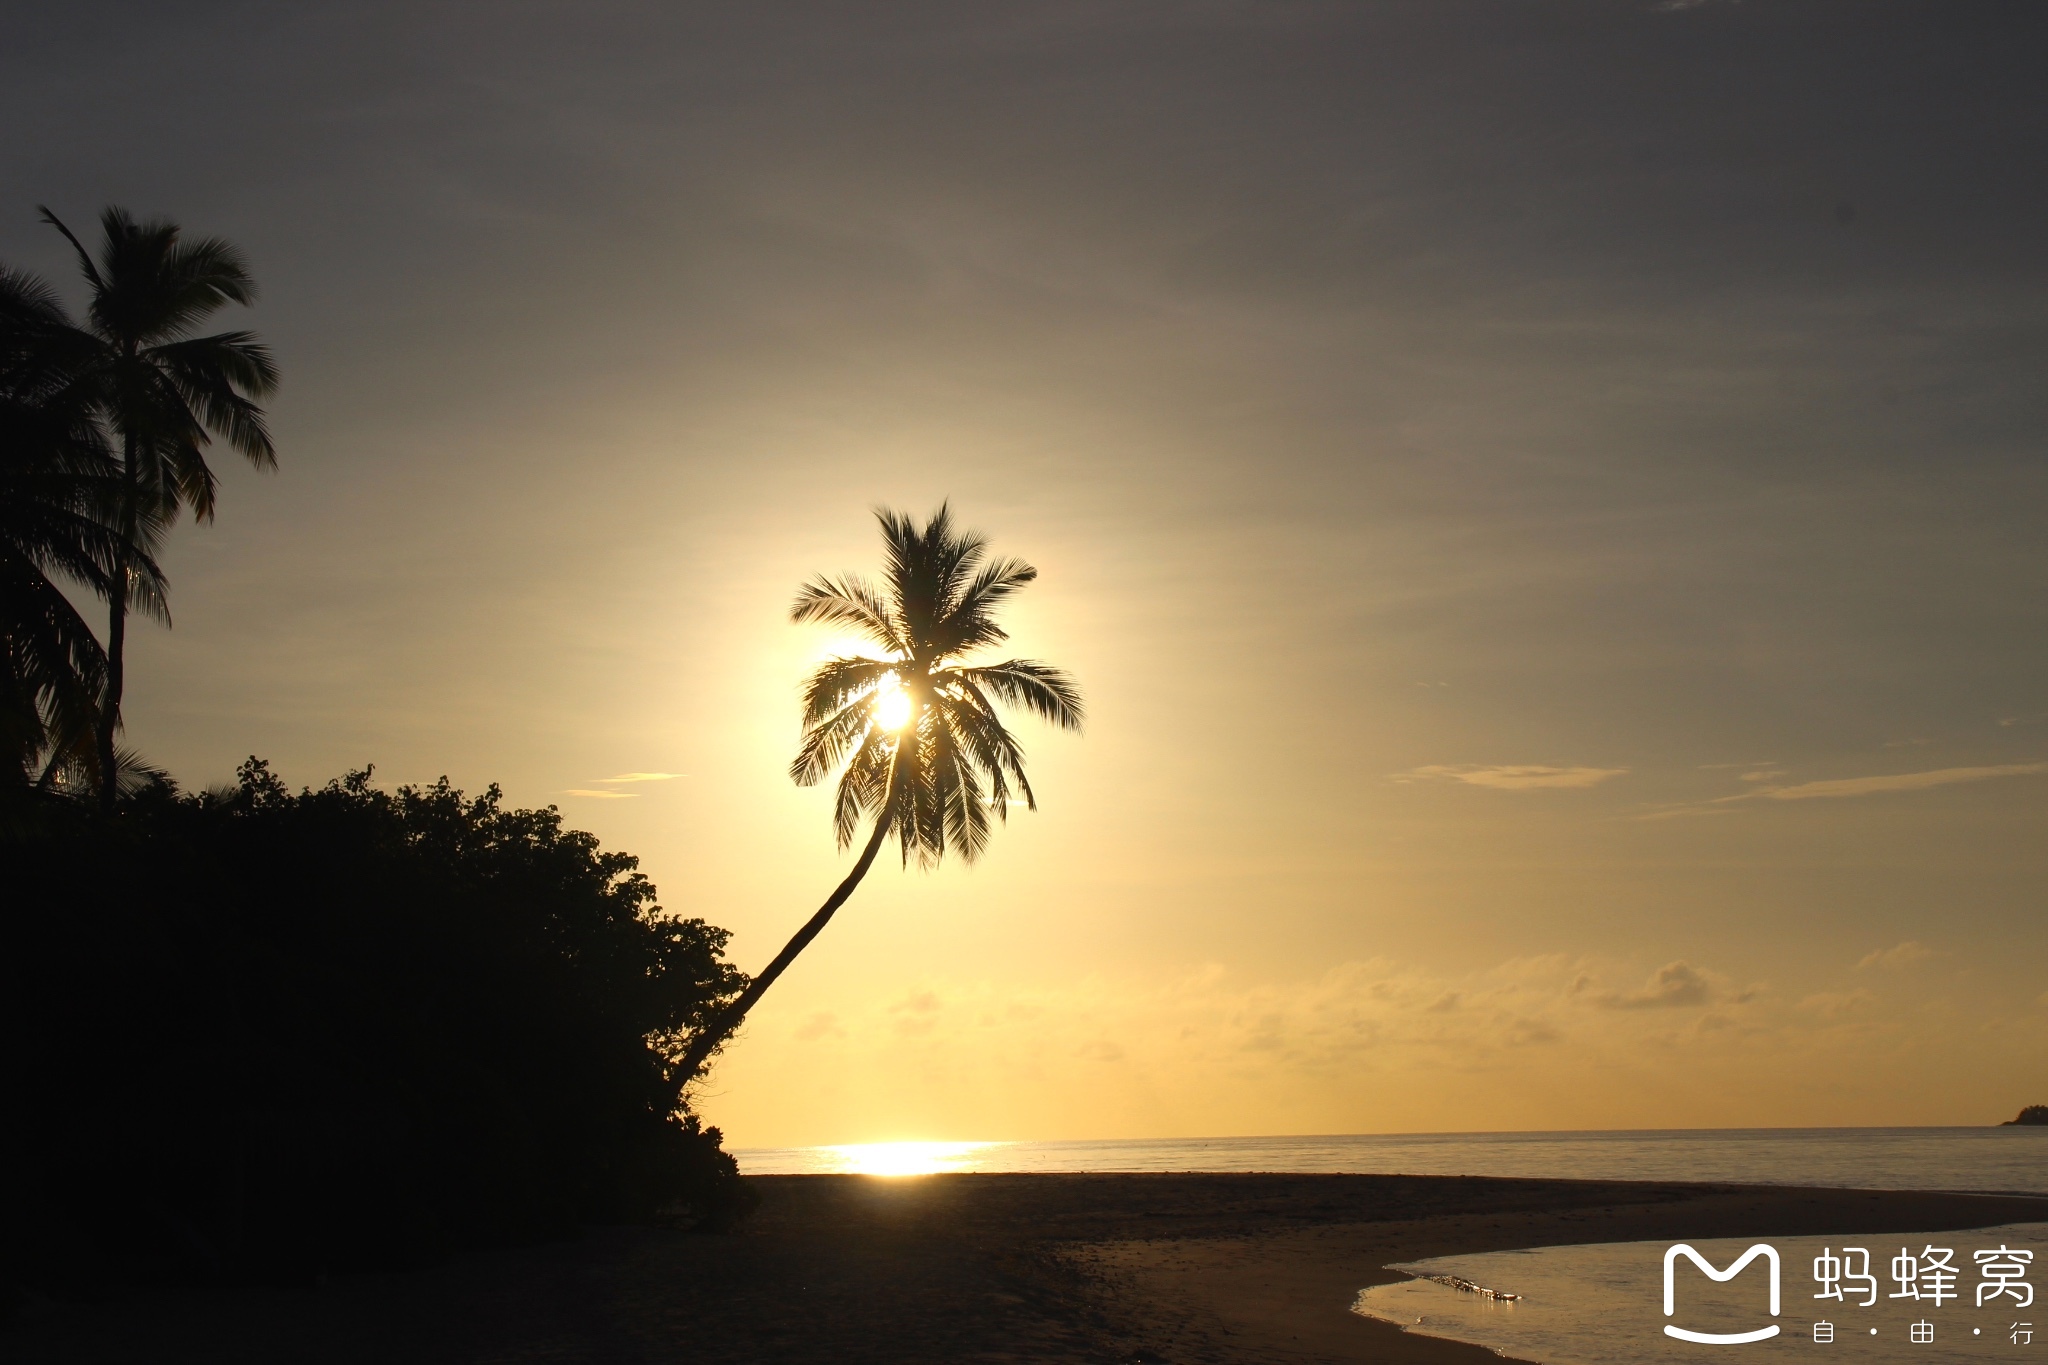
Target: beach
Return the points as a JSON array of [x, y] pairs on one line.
[[1067, 1268]]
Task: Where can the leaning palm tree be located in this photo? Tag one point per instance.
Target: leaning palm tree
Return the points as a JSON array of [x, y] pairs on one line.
[[914, 734], [59, 494], [164, 393]]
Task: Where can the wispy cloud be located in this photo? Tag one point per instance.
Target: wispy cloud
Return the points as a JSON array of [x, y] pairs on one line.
[[1672, 986], [1895, 959], [1836, 1004], [1891, 782], [1763, 786], [1510, 776], [619, 780], [821, 1024]]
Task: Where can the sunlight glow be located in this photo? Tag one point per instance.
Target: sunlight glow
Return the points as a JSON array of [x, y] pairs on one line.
[[892, 711], [903, 1158]]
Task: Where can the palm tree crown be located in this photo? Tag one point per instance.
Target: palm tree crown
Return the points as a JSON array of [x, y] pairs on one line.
[[924, 751], [164, 393], [59, 491], [924, 748]]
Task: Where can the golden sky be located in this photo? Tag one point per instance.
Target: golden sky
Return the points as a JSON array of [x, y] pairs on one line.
[[1545, 502]]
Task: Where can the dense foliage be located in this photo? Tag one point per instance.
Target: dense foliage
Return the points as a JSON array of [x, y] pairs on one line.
[[256, 1034]]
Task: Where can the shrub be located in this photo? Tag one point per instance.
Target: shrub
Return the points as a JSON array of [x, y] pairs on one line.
[[251, 1034]]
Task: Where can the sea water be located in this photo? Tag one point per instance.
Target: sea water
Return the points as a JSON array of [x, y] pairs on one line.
[[1604, 1304], [2002, 1159]]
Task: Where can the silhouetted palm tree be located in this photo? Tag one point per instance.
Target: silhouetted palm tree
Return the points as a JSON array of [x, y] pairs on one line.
[[59, 495], [926, 755], [163, 393]]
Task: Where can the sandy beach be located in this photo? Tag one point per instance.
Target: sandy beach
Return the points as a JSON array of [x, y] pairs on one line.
[[1094, 1268]]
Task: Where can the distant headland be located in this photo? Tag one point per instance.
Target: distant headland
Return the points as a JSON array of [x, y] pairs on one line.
[[2033, 1116]]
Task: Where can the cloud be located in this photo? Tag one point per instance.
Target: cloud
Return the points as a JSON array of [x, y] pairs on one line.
[[1675, 985], [819, 1025], [916, 1014], [1895, 959], [1894, 782], [600, 795], [1681, 812], [1510, 776], [1761, 778], [1359, 1040], [1835, 1004], [643, 777]]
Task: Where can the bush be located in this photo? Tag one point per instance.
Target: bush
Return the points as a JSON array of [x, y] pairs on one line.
[[251, 1034]]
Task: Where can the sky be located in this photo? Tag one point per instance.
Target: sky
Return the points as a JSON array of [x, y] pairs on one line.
[[1545, 499]]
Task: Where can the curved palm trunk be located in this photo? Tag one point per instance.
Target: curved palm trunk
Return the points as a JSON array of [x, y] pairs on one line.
[[720, 1028]]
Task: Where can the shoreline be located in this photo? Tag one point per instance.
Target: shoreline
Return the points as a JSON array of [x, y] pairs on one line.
[[1210, 1269], [1286, 1296]]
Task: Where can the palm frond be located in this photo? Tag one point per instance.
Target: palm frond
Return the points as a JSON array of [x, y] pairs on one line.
[[52, 669], [1045, 691], [849, 601], [995, 748], [28, 305], [218, 378], [838, 681], [828, 741], [925, 568], [969, 623], [85, 264], [197, 279], [957, 791], [935, 784], [864, 787]]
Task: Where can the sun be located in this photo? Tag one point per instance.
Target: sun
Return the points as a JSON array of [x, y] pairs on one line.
[[892, 710], [904, 1158]]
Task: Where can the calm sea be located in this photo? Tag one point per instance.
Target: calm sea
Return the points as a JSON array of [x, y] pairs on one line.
[[2009, 1159], [1602, 1304]]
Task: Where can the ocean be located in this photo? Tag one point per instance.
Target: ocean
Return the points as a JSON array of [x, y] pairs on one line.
[[1601, 1304], [2000, 1159]]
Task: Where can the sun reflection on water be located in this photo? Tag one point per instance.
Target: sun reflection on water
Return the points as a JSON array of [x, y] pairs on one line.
[[902, 1158]]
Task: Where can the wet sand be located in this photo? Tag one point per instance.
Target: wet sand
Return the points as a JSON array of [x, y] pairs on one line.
[[1185, 1269]]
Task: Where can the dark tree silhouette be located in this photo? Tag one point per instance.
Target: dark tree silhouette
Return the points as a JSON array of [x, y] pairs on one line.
[[925, 753], [258, 1034], [59, 496], [164, 393]]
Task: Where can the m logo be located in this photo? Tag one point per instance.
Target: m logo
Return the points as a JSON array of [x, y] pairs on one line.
[[1769, 1253]]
